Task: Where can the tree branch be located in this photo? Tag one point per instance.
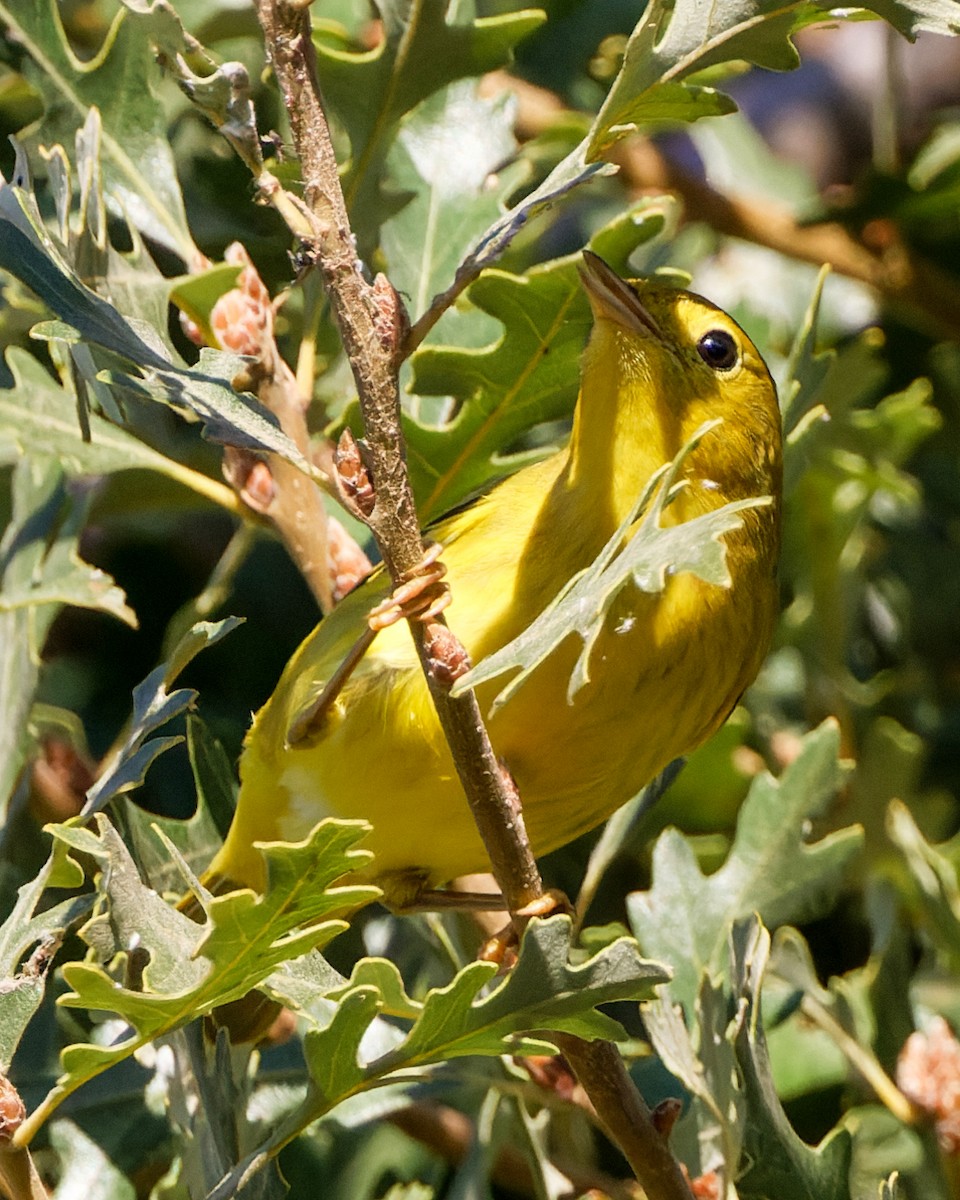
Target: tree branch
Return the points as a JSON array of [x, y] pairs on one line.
[[372, 325], [372, 328]]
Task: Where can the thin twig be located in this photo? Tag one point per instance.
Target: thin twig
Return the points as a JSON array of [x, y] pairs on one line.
[[438, 306], [862, 1059], [371, 325], [879, 258]]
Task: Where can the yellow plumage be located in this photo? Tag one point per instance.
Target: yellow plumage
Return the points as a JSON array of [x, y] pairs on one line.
[[666, 669]]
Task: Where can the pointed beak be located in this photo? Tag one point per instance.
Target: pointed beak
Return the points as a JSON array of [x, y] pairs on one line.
[[610, 297]]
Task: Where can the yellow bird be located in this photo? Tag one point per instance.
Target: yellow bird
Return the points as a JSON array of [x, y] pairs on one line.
[[664, 674]]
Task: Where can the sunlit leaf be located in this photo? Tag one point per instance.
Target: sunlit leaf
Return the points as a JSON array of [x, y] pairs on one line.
[[156, 968], [122, 81], [771, 869]]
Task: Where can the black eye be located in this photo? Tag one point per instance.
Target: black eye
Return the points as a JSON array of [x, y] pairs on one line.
[[718, 350]]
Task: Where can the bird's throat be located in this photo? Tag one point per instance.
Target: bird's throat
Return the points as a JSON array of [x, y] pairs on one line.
[[623, 431]]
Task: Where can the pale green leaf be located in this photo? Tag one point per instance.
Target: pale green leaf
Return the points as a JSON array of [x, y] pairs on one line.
[[443, 159], [140, 179], [674, 41], [932, 880], [645, 558], [425, 45], [702, 1058], [775, 1160], [28, 942], [156, 968], [685, 917]]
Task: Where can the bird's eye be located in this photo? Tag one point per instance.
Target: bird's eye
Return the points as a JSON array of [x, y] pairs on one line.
[[719, 350]]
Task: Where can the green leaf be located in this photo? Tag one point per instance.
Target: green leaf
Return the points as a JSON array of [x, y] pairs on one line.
[[544, 991], [568, 174], [776, 1162], [40, 571], [425, 45], [86, 1171], [22, 979], [705, 1063], [651, 553], [140, 178], [443, 160], [213, 773], [155, 968], [685, 917], [674, 41], [932, 881], [196, 295], [153, 707], [29, 253], [39, 418], [527, 377], [58, 576], [806, 370]]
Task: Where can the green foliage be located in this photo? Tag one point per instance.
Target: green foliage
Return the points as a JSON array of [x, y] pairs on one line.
[[155, 967], [122, 82], [425, 46], [770, 869], [780, 954]]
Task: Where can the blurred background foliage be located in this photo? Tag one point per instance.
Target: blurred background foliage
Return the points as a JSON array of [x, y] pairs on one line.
[[855, 153]]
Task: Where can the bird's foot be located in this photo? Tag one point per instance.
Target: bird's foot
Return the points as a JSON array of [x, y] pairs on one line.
[[503, 947], [421, 594]]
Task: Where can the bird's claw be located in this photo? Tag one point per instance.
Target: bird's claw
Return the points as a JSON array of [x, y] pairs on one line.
[[502, 947], [422, 594]]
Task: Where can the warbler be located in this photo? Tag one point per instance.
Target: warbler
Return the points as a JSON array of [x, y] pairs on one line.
[[666, 669]]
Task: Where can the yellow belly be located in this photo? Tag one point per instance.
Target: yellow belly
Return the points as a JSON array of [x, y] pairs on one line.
[[664, 674]]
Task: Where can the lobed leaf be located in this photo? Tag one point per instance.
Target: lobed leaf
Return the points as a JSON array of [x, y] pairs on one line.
[[776, 1161], [646, 558], [22, 979], [771, 869], [156, 968], [121, 80], [448, 162], [424, 45], [544, 991], [702, 1058]]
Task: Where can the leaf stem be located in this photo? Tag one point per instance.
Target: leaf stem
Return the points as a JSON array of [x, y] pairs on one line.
[[862, 1060]]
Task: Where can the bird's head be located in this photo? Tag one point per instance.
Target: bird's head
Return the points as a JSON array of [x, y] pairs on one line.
[[676, 361]]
